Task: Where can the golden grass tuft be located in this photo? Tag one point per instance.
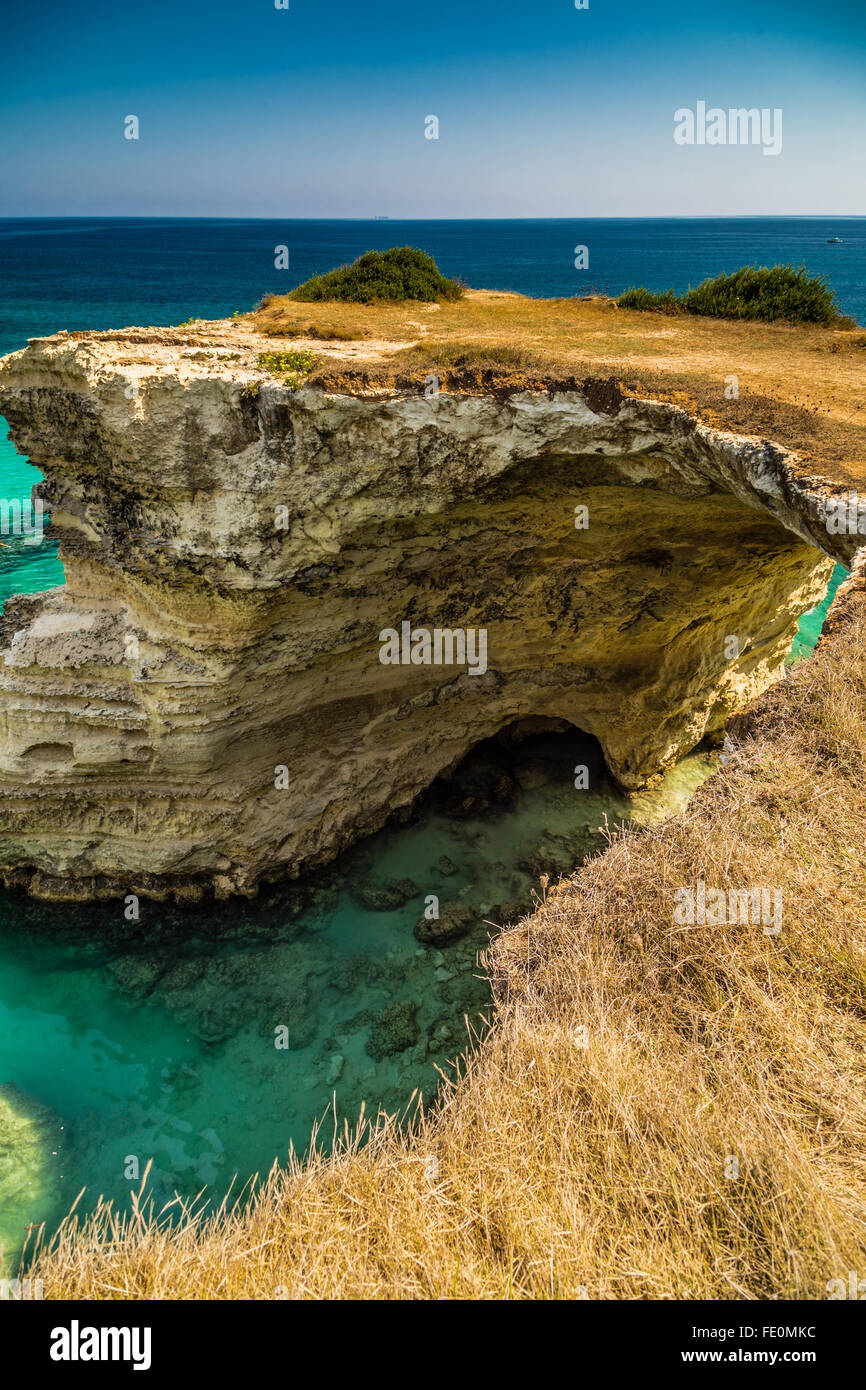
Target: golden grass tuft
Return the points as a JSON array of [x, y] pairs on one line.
[[554, 1168]]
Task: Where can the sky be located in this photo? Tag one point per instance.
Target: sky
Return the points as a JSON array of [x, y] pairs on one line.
[[320, 110]]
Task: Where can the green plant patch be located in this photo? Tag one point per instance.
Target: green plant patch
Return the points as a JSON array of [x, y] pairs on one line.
[[767, 294], [399, 274], [292, 367]]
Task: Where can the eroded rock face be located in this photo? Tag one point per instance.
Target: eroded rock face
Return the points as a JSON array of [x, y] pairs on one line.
[[233, 550]]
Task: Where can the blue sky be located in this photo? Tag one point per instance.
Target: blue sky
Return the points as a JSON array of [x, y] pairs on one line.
[[318, 111]]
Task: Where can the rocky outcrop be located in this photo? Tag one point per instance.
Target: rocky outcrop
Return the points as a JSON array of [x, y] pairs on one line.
[[204, 703]]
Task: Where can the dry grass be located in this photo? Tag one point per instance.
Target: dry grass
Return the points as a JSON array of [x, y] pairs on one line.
[[800, 385], [563, 1168]]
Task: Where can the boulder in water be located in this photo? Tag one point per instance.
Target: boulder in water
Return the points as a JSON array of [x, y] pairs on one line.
[[384, 897], [394, 1029], [453, 922]]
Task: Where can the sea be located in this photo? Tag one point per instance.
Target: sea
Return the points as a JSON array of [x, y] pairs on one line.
[[151, 1047]]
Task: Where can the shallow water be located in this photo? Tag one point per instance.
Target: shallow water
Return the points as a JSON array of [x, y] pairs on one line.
[[156, 1040], [811, 623]]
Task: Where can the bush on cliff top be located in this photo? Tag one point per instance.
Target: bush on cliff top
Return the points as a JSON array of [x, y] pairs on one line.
[[765, 293], [401, 273]]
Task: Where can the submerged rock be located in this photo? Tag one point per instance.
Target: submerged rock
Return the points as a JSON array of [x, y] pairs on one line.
[[446, 866], [384, 897], [393, 1030], [136, 975], [335, 1069], [505, 914], [454, 921]]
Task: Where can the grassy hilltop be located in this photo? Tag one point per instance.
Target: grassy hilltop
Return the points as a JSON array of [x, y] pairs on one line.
[[799, 383]]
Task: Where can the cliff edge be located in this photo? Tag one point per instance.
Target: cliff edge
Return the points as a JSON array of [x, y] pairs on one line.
[[248, 668]]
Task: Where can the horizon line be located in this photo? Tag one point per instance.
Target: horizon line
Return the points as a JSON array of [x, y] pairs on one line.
[[387, 217]]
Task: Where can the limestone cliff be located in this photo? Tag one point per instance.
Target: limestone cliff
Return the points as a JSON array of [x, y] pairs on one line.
[[233, 549]]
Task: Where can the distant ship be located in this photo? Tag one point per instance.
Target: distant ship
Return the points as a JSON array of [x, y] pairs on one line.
[[831, 239], [381, 219]]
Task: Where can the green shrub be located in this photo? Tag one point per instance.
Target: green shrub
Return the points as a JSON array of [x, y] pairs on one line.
[[291, 366], [764, 293], [398, 274], [639, 298]]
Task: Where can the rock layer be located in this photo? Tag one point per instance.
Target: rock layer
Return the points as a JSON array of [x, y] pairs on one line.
[[233, 549]]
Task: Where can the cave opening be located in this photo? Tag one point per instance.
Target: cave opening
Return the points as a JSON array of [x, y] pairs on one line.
[[534, 799], [523, 756]]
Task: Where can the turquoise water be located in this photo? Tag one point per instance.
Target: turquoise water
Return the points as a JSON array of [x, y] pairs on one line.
[[24, 568], [156, 1040], [812, 622]]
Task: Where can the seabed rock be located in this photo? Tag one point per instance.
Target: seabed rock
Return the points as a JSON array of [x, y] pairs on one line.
[[393, 1030], [384, 897], [446, 866], [453, 922]]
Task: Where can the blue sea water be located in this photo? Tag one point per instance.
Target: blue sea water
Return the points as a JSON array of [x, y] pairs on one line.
[[156, 1042], [108, 273]]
